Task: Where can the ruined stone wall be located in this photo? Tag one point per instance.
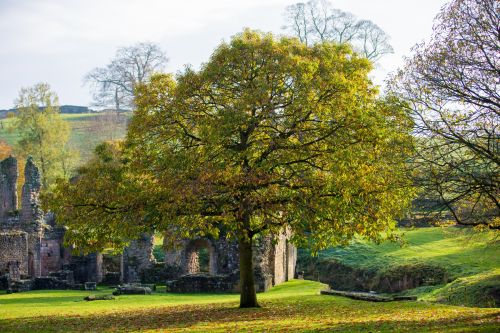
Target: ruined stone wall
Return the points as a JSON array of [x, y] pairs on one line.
[[227, 255], [291, 260], [14, 249], [280, 259], [137, 258], [31, 215], [223, 256], [31, 244], [86, 268], [8, 182], [34, 255], [263, 262], [51, 258], [273, 260], [53, 254]]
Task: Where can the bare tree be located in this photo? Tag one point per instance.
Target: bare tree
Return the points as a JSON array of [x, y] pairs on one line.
[[452, 87], [317, 21], [113, 85]]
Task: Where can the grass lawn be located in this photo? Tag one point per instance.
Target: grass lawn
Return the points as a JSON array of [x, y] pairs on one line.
[[293, 306]]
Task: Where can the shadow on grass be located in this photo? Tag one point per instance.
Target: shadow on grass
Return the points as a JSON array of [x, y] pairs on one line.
[[316, 316]]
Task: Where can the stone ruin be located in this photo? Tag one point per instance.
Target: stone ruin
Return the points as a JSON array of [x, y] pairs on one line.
[[32, 254], [274, 263]]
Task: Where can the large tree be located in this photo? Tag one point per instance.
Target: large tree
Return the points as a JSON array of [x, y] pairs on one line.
[[114, 85], [451, 85], [43, 134], [269, 134], [317, 21]]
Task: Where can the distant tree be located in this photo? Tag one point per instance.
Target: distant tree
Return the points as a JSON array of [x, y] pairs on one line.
[[43, 134], [114, 85], [269, 134], [317, 21], [452, 86]]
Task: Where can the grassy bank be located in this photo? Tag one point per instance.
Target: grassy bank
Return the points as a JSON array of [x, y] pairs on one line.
[[295, 306], [470, 259]]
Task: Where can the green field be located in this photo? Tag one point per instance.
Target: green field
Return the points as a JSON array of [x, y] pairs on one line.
[[471, 259], [87, 130], [295, 306]]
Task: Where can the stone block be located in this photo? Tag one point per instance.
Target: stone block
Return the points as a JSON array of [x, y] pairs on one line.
[[99, 298], [132, 290], [90, 286]]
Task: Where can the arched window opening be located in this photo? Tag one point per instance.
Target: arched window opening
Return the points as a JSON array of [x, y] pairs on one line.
[[200, 257]]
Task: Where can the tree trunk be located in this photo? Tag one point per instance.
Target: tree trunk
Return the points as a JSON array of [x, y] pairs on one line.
[[248, 296]]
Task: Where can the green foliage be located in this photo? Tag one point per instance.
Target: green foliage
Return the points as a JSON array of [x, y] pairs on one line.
[[294, 306], [269, 134], [43, 134], [158, 250], [101, 192], [272, 133]]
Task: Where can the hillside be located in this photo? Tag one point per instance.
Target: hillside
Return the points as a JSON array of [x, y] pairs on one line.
[[448, 264], [87, 130]]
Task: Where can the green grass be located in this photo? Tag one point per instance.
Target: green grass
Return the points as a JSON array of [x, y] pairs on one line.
[[87, 130], [461, 251], [158, 250], [468, 291], [471, 258], [295, 306]]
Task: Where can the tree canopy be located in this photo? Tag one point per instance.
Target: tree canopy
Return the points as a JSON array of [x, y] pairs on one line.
[[451, 85], [43, 134], [269, 134]]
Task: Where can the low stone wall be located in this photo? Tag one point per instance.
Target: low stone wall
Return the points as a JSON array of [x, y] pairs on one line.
[[202, 283], [51, 282], [20, 285], [216, 283]]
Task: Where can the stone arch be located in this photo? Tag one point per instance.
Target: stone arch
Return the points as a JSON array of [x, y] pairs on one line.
[[191, 256]]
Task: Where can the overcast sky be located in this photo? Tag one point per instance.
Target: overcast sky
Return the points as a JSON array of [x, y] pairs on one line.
[[59, 41]]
